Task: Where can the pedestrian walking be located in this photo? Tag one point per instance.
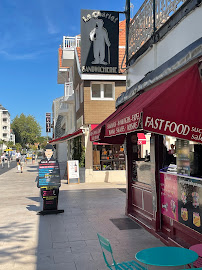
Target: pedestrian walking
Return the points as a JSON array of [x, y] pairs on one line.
[[9, 160], [2, 160], [22, 162], [18, 155], [33, 158]]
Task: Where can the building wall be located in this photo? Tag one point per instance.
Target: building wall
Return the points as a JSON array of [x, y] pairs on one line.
[[62, 157], [174, 42], [95, 111], [4, 114]]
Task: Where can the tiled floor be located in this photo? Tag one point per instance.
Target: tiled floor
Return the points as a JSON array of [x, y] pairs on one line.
[[65, 241]]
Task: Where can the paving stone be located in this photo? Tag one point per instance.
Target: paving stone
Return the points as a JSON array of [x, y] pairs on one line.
[[65, 241]]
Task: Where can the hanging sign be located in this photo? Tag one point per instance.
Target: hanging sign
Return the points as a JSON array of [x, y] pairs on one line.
[[48, 122], [99, 41]]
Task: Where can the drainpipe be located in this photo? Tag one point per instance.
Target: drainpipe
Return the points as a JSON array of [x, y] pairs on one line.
[[127, 14]]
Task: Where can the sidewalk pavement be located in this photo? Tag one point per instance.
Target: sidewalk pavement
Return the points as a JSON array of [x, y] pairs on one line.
[[65, 241]]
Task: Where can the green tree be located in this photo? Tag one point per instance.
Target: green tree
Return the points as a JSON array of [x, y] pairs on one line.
[[43, 141], [26, 129], [18, 146], [9, 144]]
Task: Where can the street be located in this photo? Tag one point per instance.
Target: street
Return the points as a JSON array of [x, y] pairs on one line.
[[5, 168], [65, 241]]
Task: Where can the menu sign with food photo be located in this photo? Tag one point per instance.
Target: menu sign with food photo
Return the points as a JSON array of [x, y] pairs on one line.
[[169, 195], [190, 202]]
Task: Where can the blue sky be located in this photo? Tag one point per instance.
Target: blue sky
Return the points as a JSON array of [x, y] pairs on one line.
[[30, 34]]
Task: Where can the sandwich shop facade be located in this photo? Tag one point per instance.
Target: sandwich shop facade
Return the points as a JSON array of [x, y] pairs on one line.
[[164, 188]]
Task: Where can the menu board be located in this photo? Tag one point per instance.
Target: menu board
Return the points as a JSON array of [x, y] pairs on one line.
[[50, 197], [49, 173], [190, 202], [73, 171], [181, 199], [183, 160]]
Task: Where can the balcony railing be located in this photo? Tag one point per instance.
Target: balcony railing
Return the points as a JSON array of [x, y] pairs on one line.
[[71, 42], [149, 19], [69, 91]]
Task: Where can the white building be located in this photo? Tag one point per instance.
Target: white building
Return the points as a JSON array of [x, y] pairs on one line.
[[4, 124]]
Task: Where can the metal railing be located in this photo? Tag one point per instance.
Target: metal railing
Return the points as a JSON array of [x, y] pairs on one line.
[[71, 42], [69, 91], [149, 19]]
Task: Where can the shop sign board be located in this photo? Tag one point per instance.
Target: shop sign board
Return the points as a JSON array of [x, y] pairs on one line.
[[73, 171], [181, 199], [99, 41], [48, 122], [123, 125], [49, 173], [176, 129]]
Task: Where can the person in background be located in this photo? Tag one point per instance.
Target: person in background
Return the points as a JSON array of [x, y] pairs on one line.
[[9, 160], [2, 160], [22, 162], [171, 153], [18, 155], [33, 158]]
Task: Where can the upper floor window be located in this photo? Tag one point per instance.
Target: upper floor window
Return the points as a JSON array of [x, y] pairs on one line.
[[4, 127], [102, 91], [5, 119]]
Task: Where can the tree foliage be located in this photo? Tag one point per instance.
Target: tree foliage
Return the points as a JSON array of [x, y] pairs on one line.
[[9, 144], [26, 129]]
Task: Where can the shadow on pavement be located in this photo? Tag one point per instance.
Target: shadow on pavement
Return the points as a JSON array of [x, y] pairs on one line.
[[35, 199], [14, 232], [33, 207]]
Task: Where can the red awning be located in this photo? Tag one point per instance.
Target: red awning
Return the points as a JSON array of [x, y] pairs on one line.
[[67, 137], [97, 131], [172, 108]]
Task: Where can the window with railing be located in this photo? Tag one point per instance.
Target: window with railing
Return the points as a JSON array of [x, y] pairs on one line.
[[149, 19]]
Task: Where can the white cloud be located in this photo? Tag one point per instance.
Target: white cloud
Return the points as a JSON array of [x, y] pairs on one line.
[[23, 56], [52, 29]]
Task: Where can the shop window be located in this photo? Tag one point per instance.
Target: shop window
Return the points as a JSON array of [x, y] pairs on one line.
[[108, 157], [182, 157], [142, 158], [181, 183], [103, 91]]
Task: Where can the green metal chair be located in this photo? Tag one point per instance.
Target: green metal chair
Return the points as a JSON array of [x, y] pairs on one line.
[[105, 245]]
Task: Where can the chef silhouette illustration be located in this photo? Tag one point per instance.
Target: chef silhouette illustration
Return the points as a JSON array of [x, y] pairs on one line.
[[99, 37]]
